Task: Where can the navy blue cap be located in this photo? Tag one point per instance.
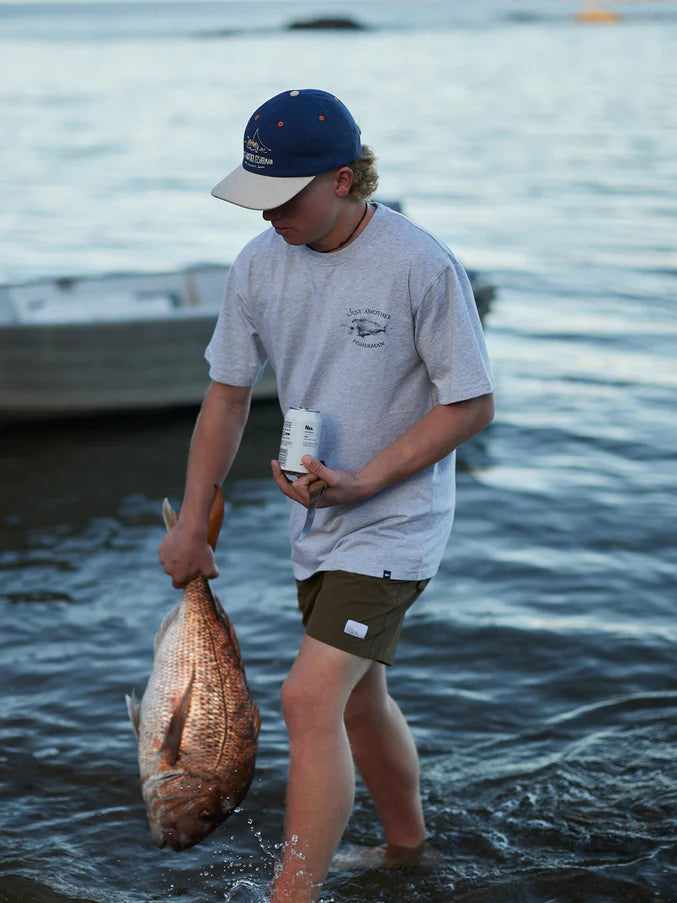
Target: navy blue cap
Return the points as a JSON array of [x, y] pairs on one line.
[[289, 140]]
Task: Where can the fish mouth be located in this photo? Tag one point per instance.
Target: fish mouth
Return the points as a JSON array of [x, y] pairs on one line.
[[159, 807], [180, 817], [166, 833], [168, 837]]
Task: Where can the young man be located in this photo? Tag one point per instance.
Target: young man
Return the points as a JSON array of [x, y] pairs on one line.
[[370, 320]]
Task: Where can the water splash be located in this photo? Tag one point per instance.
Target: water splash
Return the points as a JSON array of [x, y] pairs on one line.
[[244, 890]]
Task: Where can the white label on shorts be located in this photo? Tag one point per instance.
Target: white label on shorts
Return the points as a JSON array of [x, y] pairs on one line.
[[354, 628]]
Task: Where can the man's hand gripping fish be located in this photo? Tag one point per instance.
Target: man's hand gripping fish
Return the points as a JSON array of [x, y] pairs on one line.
[[197, 725]]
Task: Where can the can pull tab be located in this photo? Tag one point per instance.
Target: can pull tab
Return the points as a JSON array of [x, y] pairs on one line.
[[315, 489]]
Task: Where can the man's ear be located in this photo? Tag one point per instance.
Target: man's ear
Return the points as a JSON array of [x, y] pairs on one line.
[[344, 179]]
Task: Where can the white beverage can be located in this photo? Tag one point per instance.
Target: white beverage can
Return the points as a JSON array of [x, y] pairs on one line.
[[300, 436]]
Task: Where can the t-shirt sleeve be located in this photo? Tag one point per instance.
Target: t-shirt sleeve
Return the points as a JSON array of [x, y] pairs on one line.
[[235, 353], [449, 338]]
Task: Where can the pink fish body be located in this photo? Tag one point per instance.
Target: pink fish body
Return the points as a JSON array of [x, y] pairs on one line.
[[197, 725]]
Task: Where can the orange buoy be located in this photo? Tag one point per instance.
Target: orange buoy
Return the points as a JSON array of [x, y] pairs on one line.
[[596, 14]]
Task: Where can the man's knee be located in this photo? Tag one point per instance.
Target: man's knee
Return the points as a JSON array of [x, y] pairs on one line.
[[305, 706], [294, 698]]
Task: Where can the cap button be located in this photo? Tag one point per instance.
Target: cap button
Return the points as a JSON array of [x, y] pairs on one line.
[[294, 93]]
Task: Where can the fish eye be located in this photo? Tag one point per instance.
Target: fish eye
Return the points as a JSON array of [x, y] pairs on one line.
[[206, 815]]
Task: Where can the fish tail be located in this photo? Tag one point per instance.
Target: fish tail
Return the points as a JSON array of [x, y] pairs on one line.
[[171, 518], [215, 517]]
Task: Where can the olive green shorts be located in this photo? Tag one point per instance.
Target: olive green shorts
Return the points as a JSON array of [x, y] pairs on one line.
[[359, 614]]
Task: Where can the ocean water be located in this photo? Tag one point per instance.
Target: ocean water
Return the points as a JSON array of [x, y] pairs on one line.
[[539, 669]]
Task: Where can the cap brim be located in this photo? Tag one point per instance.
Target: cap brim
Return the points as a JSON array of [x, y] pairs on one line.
[[248, 189]]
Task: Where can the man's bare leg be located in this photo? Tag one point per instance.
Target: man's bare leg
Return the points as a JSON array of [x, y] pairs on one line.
[[385, 754], [321, 786]]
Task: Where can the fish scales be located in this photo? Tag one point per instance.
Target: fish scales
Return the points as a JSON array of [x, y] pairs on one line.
[[197, 725], [191, 646]]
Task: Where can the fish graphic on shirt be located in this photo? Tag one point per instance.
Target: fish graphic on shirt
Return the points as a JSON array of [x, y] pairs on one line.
[[365, 327]]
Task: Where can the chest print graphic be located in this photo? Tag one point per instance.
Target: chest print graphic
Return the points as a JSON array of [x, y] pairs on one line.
[[367, 327]]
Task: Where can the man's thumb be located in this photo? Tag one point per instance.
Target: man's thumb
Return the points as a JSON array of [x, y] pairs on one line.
[[312, 465]]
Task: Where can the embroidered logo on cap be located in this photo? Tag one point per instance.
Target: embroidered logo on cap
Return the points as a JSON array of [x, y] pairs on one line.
[[354, 628], [255, 151]]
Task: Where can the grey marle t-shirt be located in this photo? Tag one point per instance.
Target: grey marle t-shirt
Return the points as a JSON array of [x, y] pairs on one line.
[[372, 336]]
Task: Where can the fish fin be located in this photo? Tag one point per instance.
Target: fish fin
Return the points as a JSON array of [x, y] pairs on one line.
[[134, 710], [169, 751], [238, 659], [164, 627], [215, 517], [257, 719], [228, 624]]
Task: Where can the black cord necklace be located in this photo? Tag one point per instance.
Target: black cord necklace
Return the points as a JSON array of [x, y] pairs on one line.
[[329, 250]]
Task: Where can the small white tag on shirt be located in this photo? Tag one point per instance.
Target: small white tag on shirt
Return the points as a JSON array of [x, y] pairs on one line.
[[354, 628]]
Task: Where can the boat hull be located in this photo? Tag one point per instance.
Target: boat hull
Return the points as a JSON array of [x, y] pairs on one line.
[[117, 343], [90, 368]]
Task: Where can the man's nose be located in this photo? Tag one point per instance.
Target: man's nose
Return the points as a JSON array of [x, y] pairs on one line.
[[275, 213]]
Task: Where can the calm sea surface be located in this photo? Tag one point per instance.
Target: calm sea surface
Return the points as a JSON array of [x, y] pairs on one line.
[[539, 670]]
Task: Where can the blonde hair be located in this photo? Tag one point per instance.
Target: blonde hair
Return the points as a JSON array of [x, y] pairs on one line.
[[366, 176]]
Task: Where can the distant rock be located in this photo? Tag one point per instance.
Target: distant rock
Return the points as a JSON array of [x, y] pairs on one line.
[[328, 23], [217, 33]]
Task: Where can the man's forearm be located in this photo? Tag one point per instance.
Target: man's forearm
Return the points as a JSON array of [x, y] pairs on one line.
[[215, 442], [429, 440]]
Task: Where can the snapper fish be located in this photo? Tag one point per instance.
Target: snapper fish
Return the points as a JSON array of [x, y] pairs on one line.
[[197, 725]]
